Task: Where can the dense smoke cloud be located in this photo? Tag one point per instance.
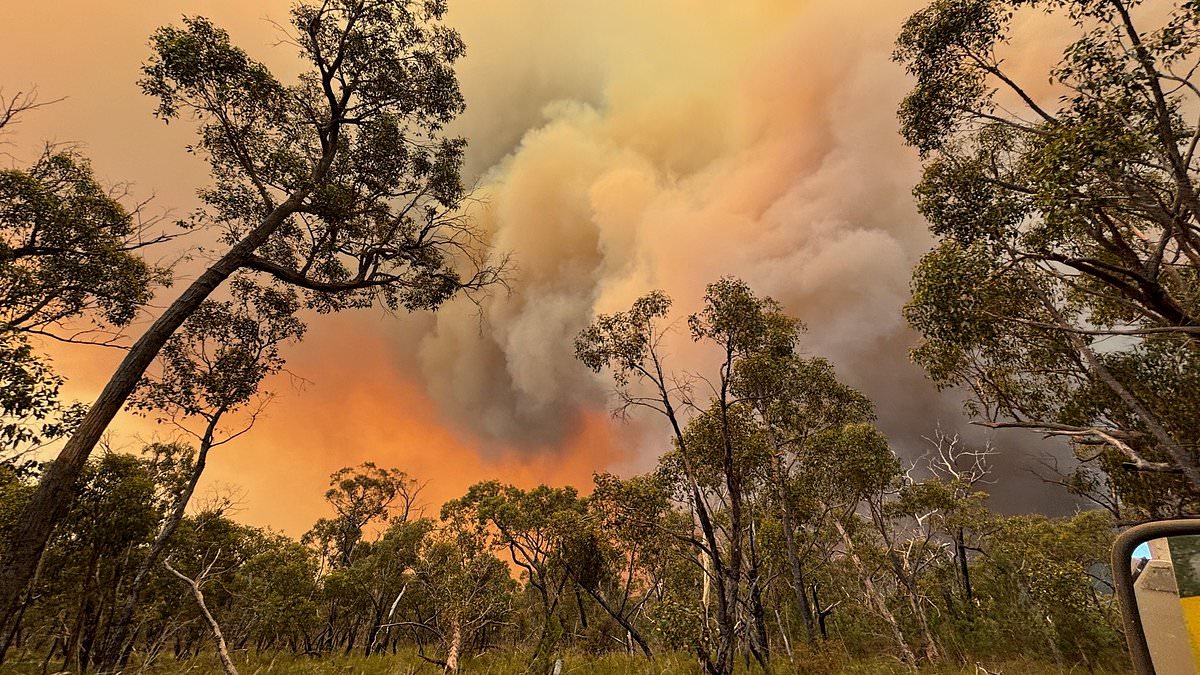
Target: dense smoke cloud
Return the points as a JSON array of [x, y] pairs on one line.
[[673, 145], [761, 146], [617, 147], [719, 141]]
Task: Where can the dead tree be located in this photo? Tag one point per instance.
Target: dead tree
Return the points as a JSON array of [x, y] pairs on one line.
[[198, 594]]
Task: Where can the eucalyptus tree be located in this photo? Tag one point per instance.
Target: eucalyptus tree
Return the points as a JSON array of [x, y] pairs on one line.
[[195, 584], [69, 262], [858, 469], [341, 184], [470, 589], [798, 400], [595, 561], [278, 595], [1063, 289], [210, 370], [69, 247], [383, 574], [715, 479], [1043, 585], [641, 519], [948, 509], [629, 344], [210, 548], [824, 466], [115, 515], [361, 496], [707, 435], [526, 523]]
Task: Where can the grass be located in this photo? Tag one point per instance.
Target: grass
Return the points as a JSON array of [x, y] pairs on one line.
[[516, 663]]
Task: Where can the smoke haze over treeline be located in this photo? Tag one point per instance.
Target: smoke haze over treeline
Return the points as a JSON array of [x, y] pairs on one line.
[[616, 148]]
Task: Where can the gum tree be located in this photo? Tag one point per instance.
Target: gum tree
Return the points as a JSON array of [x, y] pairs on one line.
[[713, 459], [1063, 287], [341, 184], [70, 270], [211, 370]]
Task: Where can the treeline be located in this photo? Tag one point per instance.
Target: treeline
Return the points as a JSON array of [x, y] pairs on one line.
[[920, 570], [1062, 296], [778, 524]]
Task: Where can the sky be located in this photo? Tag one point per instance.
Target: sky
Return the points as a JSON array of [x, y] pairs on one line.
[[615, 147]]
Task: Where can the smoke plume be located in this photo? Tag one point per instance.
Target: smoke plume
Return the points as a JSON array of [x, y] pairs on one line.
[[616, 147]]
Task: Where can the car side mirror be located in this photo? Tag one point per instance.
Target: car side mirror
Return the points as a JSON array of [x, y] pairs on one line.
[[1156, 575]]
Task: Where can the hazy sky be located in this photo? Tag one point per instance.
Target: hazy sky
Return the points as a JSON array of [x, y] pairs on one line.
[[618, 146]]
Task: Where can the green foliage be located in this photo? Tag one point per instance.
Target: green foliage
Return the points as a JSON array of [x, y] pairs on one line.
[[623, 340], [360, 496], [779, 527], [70, 269], [31, 413], [215, 363], [590, 566], [68, 248], [1066, 262], [352, 151]]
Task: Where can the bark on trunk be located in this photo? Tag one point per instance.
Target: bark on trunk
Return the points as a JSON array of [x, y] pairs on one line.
[[905, 578], [115, 644], [621, 619], [798, 584], [965, 570], [455, 647], [729, 570], [799, 587], [760, 645]]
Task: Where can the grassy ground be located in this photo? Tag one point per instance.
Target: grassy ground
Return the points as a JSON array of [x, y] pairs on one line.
[[511, 663]]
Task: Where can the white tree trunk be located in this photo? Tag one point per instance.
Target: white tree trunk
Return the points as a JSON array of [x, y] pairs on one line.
[[455, 647], [874, 597], [218, 636]]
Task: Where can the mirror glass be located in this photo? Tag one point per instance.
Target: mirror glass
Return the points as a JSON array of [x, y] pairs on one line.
[[1167, 586]]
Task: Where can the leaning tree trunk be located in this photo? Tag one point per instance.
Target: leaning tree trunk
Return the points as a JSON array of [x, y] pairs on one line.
[[799, 587], [218, 636], [874, 597], [621, 619], [56, 491], [905, 578]]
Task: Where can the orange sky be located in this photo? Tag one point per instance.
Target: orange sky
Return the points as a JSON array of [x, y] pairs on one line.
[[621, 146], [352, 408]]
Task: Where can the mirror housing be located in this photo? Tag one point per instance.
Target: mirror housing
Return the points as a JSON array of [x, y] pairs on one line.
[[1123, 582]]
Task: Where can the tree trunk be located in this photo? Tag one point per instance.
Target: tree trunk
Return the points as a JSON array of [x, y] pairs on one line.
[[71, 649], [798, 585], [56, 490], [14, 628], [906, 582], [760, 644], [874, 597], [455, 647], [731, 570], [961, 546], [622, 620], [218, 636]]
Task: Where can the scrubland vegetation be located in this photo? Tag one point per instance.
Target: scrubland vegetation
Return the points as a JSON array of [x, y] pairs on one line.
[[779, 530]]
